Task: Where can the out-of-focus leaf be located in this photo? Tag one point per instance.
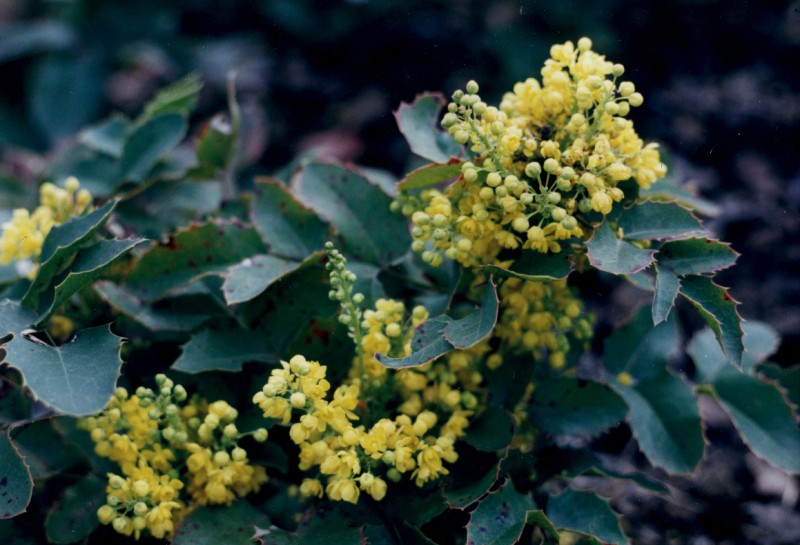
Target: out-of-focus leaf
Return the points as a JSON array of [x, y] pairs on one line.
[[718, 309], [149, 143], [357, 208], [213, 146], [610, 254], [18, 39], [655, 221], [757, 409], [16, 485], [60, 247], [491, 431], [107, 137], [222, 350], [670, 190], [213, 525], [500, 518], [77, 378], [666, 290], [65, 94], [536, 267], [291, 229], [74, 517], [88, 266], [190, 254], [570, 406], [419, 123], [429, 175], [585, 513], [180, 98], [696, 256]]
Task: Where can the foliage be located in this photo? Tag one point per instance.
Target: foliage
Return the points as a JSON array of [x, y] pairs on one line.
[[161, 365]]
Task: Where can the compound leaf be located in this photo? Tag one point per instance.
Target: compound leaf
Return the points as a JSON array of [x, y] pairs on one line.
[[419, 123], [611, 254]]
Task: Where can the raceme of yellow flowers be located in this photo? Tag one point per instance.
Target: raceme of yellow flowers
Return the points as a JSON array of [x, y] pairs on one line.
[[174, 453], [551, 153], [24, 235]]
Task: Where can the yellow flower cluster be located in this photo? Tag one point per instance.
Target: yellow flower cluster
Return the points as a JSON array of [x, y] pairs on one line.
[[433, 405], [24, 235], [548, 156], [174, 453]]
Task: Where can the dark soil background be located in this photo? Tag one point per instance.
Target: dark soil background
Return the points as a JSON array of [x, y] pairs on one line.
[[721, 81]]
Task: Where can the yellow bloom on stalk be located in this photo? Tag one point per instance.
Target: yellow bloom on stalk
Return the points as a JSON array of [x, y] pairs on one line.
[[552, 152], [24, 235]]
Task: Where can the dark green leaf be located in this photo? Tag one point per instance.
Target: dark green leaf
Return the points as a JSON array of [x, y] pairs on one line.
[[639, 348], [31, 37], [463, 497], [500, 518], [180, 97], [232, 525], [314, 531], [253, 276], [419, 123], [89, 264], [65, 93], [74, 517], [190, 254], [570, 406], [427, 344], [107, 137], [429, 175], [789, 380], [77, 378], [653, 221], [44, 450], [718, 309], [291, 229], [16, 485], [358, 209], [491, 431], [666, 290], [757, 409], [149, 143], [585, 513], [228, 350], [610, 254], [477, 325], [60, 247], [536, 267], [214, 145], [696, 256]]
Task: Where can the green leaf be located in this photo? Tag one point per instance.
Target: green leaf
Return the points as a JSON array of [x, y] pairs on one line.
[[14, 318], [585, 513], [654, 221], [666, 290], [663, 411], [358, 209], [190, 254], [291, 229], [227, 350], [536, 267], [89, 264], [419, 123], [500, 518], [44, 450], [61, 246], [760, 342], [491, 431], [367, 282], [758, 410], [429, 175], [696, 256], [718, 309], [319, 531], [172, 314], [21, 38], [232, 525], [476, 326], [107, 137], [180, 97], [670, 190], [570, 406], [149, 143], [74, 517], [789, 380], [463, 497], [77, 378], [213, 146], [610, 254], [16, 484], [441, 334], [253, 276]]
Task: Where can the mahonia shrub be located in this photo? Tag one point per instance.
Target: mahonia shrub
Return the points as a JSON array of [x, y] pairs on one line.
[[335, 356]]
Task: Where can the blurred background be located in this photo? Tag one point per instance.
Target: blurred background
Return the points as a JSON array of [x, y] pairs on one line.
[[722, 95]]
